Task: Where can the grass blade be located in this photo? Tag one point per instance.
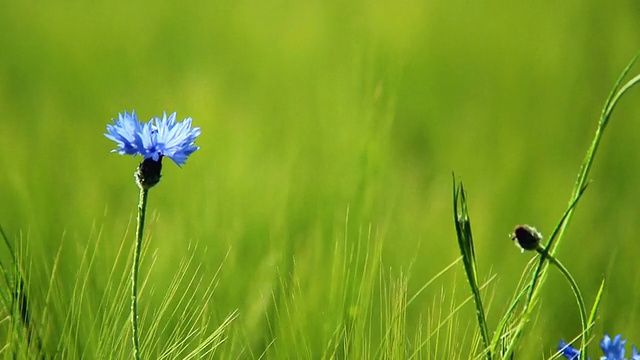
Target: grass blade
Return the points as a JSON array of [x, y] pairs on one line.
[[465, 242]]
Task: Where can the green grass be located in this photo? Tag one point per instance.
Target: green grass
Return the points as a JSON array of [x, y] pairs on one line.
[[319, 204]]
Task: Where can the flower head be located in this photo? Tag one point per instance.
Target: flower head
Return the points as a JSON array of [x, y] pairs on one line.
[[157, 138], [613, 349], [568, 351]]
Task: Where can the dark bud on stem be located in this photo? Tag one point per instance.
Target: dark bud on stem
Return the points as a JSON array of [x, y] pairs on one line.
[[526, 237], [148, 173]]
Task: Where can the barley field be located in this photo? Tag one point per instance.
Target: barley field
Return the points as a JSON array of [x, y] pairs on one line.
[[316, 219]]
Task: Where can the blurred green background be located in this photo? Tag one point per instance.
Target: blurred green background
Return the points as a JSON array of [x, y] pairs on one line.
[[313, 109]]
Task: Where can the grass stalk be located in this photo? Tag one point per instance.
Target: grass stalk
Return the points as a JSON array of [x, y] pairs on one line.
[[465, 242], [19, 302]]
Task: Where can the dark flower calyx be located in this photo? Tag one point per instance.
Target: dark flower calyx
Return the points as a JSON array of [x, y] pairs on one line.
[[148, 173]]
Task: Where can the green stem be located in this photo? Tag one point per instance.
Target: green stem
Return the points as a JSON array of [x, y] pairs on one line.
[[576, 292], [142, 209]]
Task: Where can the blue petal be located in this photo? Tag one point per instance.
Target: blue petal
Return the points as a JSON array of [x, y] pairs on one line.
[[613, 350], [176, 139], [125, 132], [568, 351], [157, 138]]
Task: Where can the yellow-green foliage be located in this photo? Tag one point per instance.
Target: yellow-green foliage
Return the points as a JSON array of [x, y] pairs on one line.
[[321, 195]]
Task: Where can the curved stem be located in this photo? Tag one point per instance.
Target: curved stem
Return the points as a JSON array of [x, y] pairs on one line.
[[142, 209], [576, 292]]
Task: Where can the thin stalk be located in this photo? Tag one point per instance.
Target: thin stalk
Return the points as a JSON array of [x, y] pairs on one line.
[[576, 292], [610, 104], [18, 295], [596, 305], [142, 209]]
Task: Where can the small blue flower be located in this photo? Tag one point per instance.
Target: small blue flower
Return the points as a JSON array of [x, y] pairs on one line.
[[612, 349], [154, 139], [568, 351]]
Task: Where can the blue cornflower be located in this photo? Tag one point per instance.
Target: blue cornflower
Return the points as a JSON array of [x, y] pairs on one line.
[[613, 349], [154, 139], [568, 351]]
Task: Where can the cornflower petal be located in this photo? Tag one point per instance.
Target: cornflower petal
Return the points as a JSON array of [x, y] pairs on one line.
[[148, 135], [125, 132], [613, 350], [175, 140], [568, 351]]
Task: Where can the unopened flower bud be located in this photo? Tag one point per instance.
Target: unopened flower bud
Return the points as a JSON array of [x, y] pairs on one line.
[[526, 237]]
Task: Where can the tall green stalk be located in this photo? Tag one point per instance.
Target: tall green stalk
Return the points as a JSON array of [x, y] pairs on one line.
[[142, 209], [147, 176]]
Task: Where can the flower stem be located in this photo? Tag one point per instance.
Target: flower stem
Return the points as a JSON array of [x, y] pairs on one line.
[[142, 209], [576, 292]]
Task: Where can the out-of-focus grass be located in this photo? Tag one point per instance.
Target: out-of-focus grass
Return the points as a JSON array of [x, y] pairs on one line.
[[309, 109]]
